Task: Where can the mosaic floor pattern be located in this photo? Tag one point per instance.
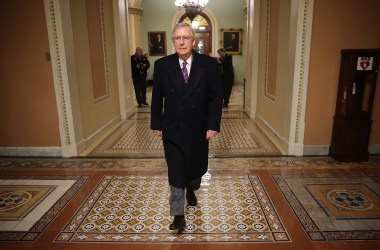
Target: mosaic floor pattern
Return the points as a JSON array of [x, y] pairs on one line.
[[334, 206], [28, 204], [135, 209], [238, 137], [221, 164]]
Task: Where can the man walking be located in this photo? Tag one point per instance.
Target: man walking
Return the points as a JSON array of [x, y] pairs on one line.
[[186, 111]]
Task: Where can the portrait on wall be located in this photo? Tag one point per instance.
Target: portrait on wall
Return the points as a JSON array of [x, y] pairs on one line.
[[157, 43], [232, 40]]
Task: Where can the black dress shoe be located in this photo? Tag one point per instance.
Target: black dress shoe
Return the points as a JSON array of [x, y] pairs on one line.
[[146, 104], [191, 198], [179, 223]]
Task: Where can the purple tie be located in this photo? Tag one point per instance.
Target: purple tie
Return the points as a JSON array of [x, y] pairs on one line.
[[184, 71]]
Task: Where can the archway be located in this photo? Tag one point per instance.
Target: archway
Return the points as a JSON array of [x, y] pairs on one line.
[[203, 29], [213, 30]]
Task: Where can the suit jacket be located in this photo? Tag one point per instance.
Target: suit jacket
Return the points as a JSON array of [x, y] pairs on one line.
[[139, 60], [184, 112], [227, 68]]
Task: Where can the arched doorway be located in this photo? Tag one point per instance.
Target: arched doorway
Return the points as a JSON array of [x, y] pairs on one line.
[[203, 29]]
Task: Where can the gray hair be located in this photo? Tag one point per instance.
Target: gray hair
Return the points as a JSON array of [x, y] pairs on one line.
[[182, 25]]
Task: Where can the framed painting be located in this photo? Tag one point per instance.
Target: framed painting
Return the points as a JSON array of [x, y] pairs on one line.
[[232, 40], [157, 43]]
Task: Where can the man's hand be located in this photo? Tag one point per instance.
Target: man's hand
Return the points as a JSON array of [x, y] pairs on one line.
[[157, 132], [211, 134]]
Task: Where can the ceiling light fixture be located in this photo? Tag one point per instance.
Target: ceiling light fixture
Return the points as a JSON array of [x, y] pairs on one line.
[[192, 7]]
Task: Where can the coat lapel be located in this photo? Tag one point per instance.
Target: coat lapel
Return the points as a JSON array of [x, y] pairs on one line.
[[175, 74], [196, 72]]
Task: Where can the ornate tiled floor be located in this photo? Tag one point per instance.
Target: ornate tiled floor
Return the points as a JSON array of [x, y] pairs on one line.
[[251, 197], [29, 203], [334, 206], [135, 209], [238, 137], [286, 202]]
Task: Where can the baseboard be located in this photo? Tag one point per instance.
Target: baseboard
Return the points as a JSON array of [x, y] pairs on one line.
[[316, 150], [31, 151], [277, 139], [68, 151], [374, 149], [324, 149], [100, 132]]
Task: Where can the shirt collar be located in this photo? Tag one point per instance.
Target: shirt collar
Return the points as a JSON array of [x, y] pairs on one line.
[[188, 61]]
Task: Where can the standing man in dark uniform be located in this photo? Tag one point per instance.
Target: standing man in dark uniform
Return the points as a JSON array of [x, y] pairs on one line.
[[140, 65], [227, 72], [186, 111]]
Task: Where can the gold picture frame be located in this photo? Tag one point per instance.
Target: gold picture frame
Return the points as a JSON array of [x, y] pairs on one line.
[[157, 43], [232, 41]]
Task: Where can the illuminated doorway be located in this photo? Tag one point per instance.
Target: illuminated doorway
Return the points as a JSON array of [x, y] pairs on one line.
[[203, 33]]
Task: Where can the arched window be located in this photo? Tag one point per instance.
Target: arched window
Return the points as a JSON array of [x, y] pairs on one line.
[[203, 29]]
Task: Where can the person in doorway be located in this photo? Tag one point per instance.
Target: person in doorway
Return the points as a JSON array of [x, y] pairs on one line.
[[140, 65], [227, 73], [186, 111]]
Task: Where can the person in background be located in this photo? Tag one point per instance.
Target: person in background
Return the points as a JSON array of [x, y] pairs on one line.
[[140, 65], [227, 73], [186, 112]]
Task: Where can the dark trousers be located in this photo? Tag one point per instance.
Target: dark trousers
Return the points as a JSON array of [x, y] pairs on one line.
[[227, 89], [177, 196], [140, 84]]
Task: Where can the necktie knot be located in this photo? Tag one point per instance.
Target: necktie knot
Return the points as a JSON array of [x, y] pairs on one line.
[[184, 71]]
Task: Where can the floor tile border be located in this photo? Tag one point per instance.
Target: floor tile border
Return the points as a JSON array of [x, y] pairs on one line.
[[49, 216], [307, 223], [244, 163], [69, 233]]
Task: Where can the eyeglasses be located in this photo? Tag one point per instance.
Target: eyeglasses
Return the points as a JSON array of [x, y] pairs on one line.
[[178, 39]]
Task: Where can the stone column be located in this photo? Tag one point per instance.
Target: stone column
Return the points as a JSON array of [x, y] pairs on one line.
[[135, 25]]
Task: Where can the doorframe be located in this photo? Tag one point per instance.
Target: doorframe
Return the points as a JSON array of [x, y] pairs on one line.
[[214, 28]]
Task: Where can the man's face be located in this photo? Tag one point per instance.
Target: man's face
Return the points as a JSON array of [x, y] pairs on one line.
[[139, 51], [183, 42]]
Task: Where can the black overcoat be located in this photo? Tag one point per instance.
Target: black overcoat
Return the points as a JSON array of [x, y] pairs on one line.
[[227, 69], [184, 112]]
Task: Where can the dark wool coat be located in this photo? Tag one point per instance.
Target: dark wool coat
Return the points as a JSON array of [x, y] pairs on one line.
[[184, 112], [227, 69]]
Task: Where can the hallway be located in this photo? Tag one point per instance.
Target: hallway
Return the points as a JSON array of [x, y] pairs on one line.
[[109, 199], [239, 135]]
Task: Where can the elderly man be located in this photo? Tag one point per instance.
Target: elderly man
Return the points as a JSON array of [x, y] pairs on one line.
[[186, 111]]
